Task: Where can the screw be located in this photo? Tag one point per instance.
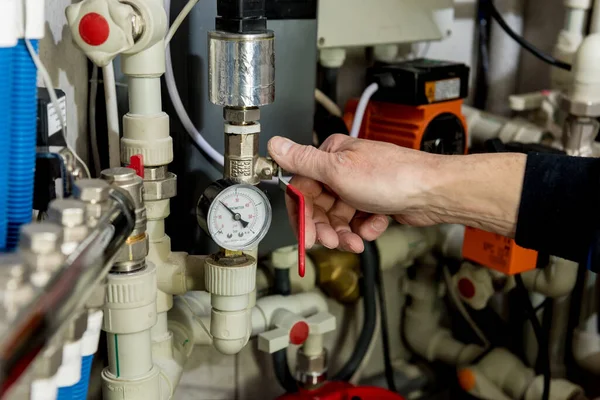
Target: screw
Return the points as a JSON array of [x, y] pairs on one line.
[[67, 212], [91, 190], [41, 238]]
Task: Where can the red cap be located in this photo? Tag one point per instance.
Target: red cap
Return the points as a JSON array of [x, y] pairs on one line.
[[94, 29], [299, 332], [466, 288]]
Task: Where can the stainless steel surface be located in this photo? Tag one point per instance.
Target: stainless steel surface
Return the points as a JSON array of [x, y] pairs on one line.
[[23, 336], [71, 214], [161, 188], [40, 238], [95, 193], [132, 256], [15, 288], [241, 69], [311, 370], [241, 153], [156, 173], [266, 168], [579, 109], [241, 116], [579, 135]]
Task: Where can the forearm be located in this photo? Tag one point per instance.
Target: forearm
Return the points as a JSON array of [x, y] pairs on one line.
[[481, 191]]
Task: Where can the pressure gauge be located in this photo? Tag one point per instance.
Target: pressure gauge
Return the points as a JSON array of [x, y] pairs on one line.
[[236, 216]]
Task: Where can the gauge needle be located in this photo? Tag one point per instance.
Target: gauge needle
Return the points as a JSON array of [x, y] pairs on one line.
[[236, 216]]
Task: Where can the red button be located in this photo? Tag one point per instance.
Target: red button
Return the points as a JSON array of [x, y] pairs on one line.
[[466, 288], [94, 29], [299, 332]]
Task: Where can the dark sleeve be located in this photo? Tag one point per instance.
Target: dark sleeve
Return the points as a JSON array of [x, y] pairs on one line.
[[559, 212]]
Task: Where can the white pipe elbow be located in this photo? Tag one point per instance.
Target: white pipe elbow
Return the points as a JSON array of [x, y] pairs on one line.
[[304, 304], [507, 372], [556, 280]]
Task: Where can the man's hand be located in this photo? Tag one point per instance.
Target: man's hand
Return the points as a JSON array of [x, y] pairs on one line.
[[352, 185]]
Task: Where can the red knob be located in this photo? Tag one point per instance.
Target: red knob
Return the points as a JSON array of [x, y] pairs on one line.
[[466, 288], [299, 332], [94, 29]]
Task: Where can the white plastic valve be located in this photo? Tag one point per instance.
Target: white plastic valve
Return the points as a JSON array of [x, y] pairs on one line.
[[321, 323], [474, 285], [290, 329], [101, 28]]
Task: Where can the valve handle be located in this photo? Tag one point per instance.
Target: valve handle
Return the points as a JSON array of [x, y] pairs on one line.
[[298, 197]]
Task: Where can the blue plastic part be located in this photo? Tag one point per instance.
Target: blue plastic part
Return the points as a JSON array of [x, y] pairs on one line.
[[65, 393], [80, 390], [6, 56], [23, 141]]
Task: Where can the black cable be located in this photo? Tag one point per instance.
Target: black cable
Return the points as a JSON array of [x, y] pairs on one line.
[[385, 337], [526, 45], [282, 286], [369, 266], [542, 339]]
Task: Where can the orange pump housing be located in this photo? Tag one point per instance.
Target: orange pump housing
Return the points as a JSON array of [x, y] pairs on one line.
[[405, 125]]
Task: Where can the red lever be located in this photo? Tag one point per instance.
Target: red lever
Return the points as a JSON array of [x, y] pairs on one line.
[[136, 163], [298, 197]]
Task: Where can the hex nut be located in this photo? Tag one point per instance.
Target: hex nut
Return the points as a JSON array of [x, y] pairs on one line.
[[41, 238], [577, 108], [67, 212], [47, 365], [77, 327], [13, 272], [241, 115], [133, 251], [311, 365], [91, 190], [161, 189], [74, 234]]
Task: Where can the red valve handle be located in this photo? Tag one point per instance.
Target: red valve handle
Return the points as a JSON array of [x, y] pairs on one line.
[[298, 197], [136, 163]]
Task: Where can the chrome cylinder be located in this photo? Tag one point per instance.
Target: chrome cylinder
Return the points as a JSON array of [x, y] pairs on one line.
[[241, 154], [241, 69]]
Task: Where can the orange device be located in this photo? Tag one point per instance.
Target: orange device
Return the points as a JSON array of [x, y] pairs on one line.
[[418, 106]]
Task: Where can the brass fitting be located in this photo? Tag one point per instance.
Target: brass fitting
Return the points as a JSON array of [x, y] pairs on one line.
[[338, 274]]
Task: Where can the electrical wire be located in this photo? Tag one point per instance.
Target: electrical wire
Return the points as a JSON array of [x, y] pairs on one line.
[[112, 115], [543, 351], [462, 309], [526, 45], [179, 20], [362, 108], [328, 104], [355, 379], [92, 119], [52, 92]]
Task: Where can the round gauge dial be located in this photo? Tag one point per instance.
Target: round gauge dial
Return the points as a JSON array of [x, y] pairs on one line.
[[236, 216]]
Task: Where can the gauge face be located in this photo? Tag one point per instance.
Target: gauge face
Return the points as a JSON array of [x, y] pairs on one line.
[[239, 217]]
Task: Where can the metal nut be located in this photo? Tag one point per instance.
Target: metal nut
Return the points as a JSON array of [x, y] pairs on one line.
[[13, 272], [126, 179], [43, 262], [72, 237], [67, 212], [47, 365], [161, 189], [41, 238], [132, 255], [91, 190], [579, 109], [241, 116], [77, 327], [311, 364]]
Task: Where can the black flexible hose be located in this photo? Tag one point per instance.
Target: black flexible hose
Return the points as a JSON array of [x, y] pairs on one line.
[[542, 339], [369, 265], [526, 45], [282, 286], [385, 336]]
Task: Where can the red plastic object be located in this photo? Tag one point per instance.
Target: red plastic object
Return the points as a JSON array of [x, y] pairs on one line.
[[466, 288], [136, 163], [298, 197], [343, 391], [299, 333], [94, 29]]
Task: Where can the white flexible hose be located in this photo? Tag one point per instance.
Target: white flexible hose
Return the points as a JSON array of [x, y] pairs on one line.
[[362, 108], [112, 116], [92, 119], [180, 109], [179, 20], [328, 104]]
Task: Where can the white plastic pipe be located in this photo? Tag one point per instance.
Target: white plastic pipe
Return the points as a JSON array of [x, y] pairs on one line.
[[129, 355], [362, 108], [556, 280], [144, 96], [112, 115], [595, 19], [402, 244], [8, 23]]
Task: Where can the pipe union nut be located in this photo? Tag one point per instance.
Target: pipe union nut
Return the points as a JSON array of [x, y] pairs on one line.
[[161, 189], [578, 108], [133, 250], [91, 190], [241, 116], [312, 365]]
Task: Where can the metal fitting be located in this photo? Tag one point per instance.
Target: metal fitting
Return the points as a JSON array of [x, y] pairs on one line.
[[137, 25], [578, 108], [266, 168], [132, 256], [15, 290], [241, 153], [311, 371], [127, 180], [579, 135], [95, 193], [71, 214], [77, 327], [40, 247], [159, 184], [241, 116], [46, 366], [338, 274]]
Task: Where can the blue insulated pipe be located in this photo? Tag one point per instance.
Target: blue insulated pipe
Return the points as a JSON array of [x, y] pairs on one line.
[[6, 57], [23, 141]]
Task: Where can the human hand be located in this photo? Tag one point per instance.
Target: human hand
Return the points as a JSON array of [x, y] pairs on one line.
[[352, 185]]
